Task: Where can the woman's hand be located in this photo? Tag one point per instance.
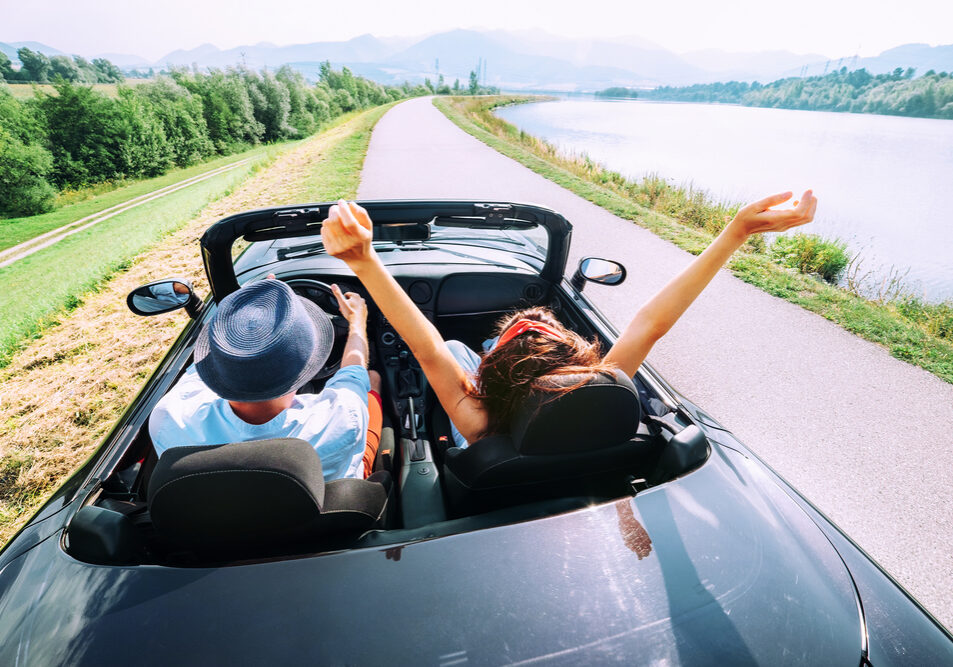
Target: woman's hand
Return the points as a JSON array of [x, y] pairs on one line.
[[759, 217], [352, 306], [347, 233], [662, 311]]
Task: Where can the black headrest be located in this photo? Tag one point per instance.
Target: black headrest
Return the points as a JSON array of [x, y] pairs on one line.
[[249, 496], [603, 412]]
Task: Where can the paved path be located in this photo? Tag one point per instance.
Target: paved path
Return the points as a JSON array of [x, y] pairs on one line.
[[867, 438]]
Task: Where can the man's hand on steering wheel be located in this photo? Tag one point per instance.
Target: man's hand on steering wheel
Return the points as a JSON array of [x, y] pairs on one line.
[[354, 310], [352, 307]]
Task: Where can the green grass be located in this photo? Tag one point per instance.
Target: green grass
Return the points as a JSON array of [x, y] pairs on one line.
[[27, 90], [809, 253], [34, 289], [339, 174], [37, 290], [34, 461], [911, 330], [17, 230]]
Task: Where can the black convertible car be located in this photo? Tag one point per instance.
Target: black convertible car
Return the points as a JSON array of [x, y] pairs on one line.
[[618, 523]]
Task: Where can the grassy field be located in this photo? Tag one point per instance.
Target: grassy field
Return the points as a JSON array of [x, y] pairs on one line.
[[23, 90], [63, 391], [81, 203], [918, 333], [34, 289]]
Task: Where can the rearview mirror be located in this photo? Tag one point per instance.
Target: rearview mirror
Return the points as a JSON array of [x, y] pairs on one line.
[[598, 270], [164, 296], [403, 231]]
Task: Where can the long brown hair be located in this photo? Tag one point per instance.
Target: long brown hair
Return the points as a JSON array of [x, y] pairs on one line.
[[511, 372]]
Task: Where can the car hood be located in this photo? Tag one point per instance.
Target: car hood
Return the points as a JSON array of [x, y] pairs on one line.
[[719, 567]]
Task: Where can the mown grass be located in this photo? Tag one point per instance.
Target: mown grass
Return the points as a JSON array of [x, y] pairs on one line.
[[910, 329], [64, 390], [35, 288], [77, 204], [335, 176]]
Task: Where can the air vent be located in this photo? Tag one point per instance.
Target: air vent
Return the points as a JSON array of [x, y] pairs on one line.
[[420, 292], [533, 292]]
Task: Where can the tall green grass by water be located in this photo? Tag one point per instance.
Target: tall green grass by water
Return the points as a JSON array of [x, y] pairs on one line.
[[910, 328]]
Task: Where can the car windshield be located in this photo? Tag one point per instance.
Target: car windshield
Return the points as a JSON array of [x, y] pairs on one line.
[[527, 240]]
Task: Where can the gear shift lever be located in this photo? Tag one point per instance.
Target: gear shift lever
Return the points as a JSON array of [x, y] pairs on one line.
[[407, 379]]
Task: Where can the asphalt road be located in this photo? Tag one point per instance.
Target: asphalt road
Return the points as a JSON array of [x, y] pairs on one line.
[[867, 438]]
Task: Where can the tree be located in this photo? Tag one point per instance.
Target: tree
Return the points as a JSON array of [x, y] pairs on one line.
[[6, 68], [64, 68], [79, 136], [143, 147], [88, 72], [25, 165], [271, 104], [226, 105], [35, 65], [24, 188], [108, 73], [180, 114], [84, 133], [474, 83]]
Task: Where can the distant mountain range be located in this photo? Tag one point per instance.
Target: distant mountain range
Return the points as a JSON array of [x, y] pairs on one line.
[[527, 60]]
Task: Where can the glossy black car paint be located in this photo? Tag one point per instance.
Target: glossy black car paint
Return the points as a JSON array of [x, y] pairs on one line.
[[740, 569]]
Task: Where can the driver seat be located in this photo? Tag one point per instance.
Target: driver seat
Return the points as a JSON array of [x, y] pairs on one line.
[[257, 499], [585, 442]]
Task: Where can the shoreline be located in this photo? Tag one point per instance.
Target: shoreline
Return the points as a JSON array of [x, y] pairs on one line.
[[918, 333]]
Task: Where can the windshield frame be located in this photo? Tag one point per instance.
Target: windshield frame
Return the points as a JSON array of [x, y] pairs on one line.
[[302, 221]]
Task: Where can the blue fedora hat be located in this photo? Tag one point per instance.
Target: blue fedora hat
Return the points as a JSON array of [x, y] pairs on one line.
[[263, 342]]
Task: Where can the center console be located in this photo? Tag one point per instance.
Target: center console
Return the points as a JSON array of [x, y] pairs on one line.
[[406, 392]]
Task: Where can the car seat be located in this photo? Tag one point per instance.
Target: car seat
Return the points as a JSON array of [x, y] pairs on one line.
[[586, 441], [258, 498]]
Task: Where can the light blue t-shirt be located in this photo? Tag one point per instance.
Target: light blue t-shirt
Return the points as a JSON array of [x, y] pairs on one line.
[[333, 421]]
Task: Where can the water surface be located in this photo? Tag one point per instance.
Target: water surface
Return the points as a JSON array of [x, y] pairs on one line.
[[882, 181]]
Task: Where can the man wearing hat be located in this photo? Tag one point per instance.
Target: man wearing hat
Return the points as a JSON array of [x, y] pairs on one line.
[[262, 344]]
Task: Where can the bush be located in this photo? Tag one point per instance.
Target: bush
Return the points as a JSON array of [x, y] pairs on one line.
[[78, 137], [84, 132], [24, 189], [180, 113], [810, 253], [936, 319]]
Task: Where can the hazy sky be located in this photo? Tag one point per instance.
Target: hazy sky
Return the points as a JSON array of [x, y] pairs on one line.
[[151, 29]]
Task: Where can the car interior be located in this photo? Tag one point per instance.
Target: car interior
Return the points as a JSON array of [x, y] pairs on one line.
[[235, 503]]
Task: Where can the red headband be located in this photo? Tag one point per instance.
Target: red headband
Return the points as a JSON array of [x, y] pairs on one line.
[[522, 326]]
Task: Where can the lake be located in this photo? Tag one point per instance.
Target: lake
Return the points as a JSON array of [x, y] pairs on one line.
[[882, 181]]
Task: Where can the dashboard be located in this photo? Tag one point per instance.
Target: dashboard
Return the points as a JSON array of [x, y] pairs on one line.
[[463, 305]]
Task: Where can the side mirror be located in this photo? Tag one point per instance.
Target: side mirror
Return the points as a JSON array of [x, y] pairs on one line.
[[164, 296], [597, 270]]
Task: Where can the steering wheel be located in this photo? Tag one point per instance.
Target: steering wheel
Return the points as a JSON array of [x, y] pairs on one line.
[[321, 295]]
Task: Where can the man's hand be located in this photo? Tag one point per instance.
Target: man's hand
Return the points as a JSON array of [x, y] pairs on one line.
[[347, 233], [759, 217], [352, 307]]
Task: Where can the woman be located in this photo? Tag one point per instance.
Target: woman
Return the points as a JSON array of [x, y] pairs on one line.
[[481, 396]]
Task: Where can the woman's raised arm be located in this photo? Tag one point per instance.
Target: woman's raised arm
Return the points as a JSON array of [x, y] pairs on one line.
[[347, 235], [662, 311]]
